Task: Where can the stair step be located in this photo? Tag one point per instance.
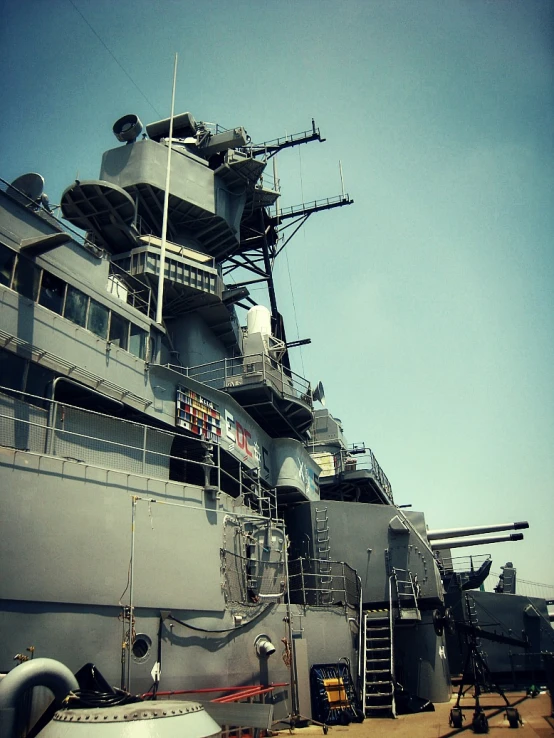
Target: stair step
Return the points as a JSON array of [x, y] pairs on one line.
[[376, 696], [377, 671], [380, 708]]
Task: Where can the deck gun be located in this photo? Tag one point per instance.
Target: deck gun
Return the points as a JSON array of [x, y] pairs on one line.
[[441, 538]]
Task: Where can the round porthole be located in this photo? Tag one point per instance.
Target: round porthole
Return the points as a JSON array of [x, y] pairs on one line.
[[141, 647]]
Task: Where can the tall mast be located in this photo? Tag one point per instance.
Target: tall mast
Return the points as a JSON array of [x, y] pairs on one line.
[[159, 304]]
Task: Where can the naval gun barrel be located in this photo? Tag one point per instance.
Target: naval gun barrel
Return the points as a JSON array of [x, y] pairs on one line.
[[479, 541], [474, 530]]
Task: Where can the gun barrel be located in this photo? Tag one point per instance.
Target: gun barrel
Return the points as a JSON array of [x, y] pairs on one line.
[[473, 530], [480, 541]]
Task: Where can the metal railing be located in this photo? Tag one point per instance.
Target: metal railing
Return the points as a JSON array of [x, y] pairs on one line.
[[249, 588], [323, 203], [242, 371], [61, 430], [356, 458], [461, 564], [135, 293], [524, 587], [341, 587], [48, 215]]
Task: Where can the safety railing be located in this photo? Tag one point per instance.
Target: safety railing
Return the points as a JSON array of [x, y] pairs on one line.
[[244, 371], [341, 585], [524, 587], [250, 587], [130, 289], [461, 564], [47, 212], [59, 429], [324, 203], [356, 458]]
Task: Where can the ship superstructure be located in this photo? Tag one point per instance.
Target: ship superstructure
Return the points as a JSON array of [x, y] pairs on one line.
[[175, 508]]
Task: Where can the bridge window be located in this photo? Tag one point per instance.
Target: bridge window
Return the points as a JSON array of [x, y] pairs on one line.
[[76, 304], [97, 321], [119, 331], [52, 292], [137, 341], [7, 261]]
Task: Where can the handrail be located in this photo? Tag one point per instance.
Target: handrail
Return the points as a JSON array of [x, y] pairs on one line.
[[392, 671], [342, 578], [325, 202], [249, 369], [135, 288], [351, 460], [44, 435], [461, 564], [43, 213]]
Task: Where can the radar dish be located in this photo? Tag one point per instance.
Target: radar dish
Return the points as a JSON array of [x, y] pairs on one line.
[[27, 188]]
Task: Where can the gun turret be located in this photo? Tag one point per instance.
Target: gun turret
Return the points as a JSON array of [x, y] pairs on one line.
[[480, 541], [475, 530]]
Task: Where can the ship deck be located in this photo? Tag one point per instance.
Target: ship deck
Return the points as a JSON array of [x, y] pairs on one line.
[[535, 713]]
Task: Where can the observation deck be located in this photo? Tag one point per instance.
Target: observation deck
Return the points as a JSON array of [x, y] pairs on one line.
[[279, 400], [352, 475]]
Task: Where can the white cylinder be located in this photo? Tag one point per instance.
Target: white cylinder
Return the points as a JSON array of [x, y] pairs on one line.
[[258, 320]]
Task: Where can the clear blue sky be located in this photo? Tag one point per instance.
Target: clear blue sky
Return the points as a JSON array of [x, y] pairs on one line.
[[430, 300]]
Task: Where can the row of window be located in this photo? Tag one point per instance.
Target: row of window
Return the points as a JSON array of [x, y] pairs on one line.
[[39, 285]]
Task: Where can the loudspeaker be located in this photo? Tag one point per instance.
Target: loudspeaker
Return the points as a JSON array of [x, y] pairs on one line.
[[128, 128], [318, 395]]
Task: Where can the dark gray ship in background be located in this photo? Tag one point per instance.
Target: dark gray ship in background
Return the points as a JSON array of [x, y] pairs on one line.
[[179, 507]]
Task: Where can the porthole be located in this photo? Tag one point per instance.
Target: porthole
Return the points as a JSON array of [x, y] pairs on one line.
[[141, 647]]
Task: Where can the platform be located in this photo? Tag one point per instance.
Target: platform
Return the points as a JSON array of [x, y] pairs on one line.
[[535, 713]]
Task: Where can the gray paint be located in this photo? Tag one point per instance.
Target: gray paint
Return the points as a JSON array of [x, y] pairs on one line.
[[194, 342], [83, 515], [420, 658], [360, 535], [294, 468], [146, 162]]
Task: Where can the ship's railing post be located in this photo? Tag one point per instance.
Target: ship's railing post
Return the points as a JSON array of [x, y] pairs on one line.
[[302, 580], [391, 627], [144, 440], [218, 447], [51, 428]]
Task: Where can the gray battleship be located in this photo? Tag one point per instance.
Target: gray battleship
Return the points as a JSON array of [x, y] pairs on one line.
[[179, 506]]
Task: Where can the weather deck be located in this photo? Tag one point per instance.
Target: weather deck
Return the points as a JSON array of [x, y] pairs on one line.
[[535, 713]]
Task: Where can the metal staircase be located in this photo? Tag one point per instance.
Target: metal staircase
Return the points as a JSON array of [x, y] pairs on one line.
[[378, 685], [407, 590], [323, 555]]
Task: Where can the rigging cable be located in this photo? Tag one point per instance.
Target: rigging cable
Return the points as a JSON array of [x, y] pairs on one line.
[[119, 64]]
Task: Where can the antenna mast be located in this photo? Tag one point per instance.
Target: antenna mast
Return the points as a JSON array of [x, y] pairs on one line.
[[159, 304]]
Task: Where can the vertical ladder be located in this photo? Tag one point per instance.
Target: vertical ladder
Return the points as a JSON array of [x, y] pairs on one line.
[[323, 554], [378, 690], [407, 589], [474, 620], [267, 503]]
